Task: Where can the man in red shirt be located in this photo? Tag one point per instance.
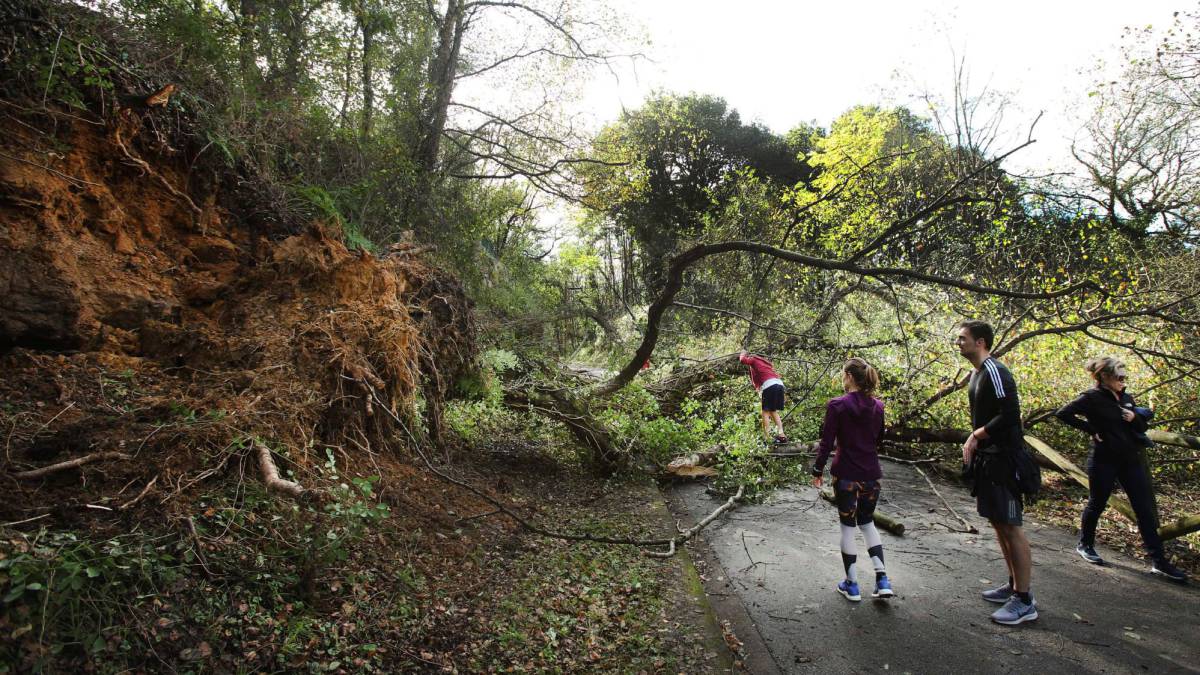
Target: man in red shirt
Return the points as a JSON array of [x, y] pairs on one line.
[[766, 381]]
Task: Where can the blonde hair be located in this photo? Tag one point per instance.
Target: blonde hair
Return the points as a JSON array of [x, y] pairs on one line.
[[865, 377], [1103, 365]]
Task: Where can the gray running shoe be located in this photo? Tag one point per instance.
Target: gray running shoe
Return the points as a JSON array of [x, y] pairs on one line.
[[1015, 611], [1089, 554], [999, 595]]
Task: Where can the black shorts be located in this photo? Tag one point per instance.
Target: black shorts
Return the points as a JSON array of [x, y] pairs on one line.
[[998, 503], [855, 501], [996, 494], [772, 398]]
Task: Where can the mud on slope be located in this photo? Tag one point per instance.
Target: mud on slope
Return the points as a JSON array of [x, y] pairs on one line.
[[140, 314]]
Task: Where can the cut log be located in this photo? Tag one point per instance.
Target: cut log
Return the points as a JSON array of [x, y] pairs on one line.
[[1176, 529], [885, 521]]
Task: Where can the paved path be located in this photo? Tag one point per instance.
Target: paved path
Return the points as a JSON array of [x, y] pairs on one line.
[[771, 568]]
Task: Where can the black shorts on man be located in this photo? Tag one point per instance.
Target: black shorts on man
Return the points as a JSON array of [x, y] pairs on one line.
[[772, 398], [996, 496]]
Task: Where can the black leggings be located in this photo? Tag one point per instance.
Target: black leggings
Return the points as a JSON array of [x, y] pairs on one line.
[[1133, 473]]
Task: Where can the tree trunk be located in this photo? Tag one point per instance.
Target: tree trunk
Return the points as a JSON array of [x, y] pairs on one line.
[[671, 391], [441, 84], [557, 404], [368, 88], [247, 54], [1179, 527]]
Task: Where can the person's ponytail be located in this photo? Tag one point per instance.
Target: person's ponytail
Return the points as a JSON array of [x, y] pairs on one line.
[[865, 377]]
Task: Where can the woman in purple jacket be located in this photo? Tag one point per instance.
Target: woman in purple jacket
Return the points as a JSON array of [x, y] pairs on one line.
[[854, 423]]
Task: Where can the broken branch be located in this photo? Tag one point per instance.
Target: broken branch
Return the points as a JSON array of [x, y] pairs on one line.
[[970, 528]]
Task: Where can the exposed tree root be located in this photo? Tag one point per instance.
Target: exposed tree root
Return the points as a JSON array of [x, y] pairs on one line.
[[271, 477], [145, 166], [69, 464], [145, 491]]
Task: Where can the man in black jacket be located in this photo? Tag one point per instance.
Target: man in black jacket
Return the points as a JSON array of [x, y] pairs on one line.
[[988, 458], [1117, 428]]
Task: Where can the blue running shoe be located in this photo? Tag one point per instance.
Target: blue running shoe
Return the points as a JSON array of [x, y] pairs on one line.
[[999, 595], [850, 590], [883, 588], [1015, 611]]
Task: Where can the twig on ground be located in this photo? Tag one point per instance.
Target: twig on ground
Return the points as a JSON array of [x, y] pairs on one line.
[[783, 618], [199, 548], [27, 520], [145, 491], [69, 464], [753, 562], [971, 529], [485, 514], [51, 420], [692, 531]]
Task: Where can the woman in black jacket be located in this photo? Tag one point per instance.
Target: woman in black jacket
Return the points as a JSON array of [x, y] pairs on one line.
[[1117, 428]]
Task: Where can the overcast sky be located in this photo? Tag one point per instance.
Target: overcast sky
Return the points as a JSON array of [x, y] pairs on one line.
[[781, 62]]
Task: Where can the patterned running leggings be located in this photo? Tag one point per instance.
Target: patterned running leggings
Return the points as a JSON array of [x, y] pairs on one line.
[[855, 501]]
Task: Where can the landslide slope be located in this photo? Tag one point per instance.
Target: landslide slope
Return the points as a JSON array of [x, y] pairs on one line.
[[163, 329]]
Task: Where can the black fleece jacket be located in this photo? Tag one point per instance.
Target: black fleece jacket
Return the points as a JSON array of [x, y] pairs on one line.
[[1098, 411]]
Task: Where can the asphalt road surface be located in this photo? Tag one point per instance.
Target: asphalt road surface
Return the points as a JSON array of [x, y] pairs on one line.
[[771, 569]]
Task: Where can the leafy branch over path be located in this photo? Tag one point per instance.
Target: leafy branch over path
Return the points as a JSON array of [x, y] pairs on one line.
[[683, 261]]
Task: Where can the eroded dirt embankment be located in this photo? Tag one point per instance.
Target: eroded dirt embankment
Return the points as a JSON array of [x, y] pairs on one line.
[[144, 314]]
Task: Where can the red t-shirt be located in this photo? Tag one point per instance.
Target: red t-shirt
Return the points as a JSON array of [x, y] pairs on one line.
[[761, 369]]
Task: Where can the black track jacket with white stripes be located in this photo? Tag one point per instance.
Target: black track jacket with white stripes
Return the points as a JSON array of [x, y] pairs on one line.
[[996, 406]]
